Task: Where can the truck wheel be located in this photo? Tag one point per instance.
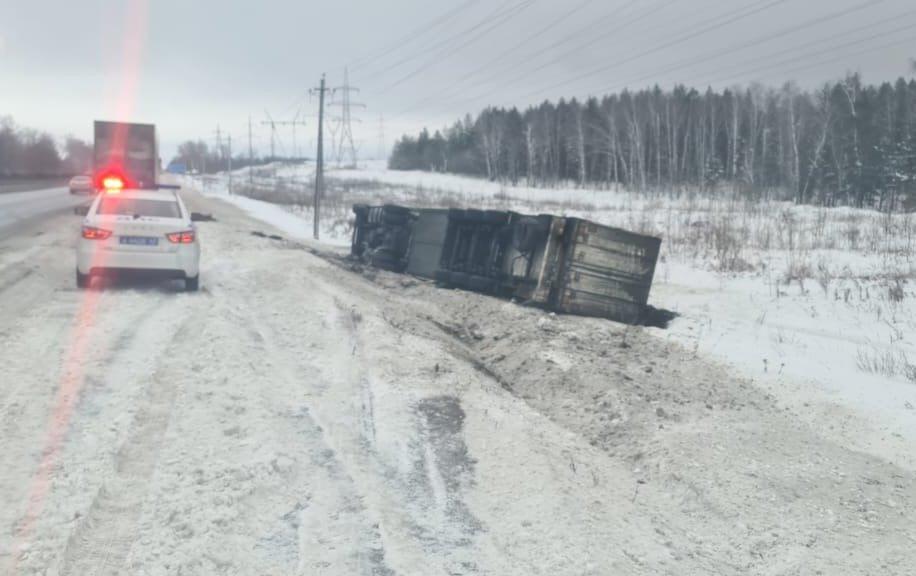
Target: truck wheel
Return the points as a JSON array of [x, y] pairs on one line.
[[82, 280], [192, 284]]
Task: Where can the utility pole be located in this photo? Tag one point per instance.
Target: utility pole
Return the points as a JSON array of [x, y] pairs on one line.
[[381, 137], [250, 154], [273, 135], [346, 121], [219, 142], [220, 153], [294, 122], [319, 160], [230, 164], [293, 126]]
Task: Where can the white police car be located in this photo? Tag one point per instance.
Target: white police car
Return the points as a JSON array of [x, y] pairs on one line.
[[147, 233]]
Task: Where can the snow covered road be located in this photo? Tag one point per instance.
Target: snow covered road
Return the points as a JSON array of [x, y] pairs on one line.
[[297, 418], [17, 207], [273, 424]]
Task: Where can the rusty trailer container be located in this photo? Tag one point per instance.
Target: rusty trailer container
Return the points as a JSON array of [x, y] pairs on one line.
[[568, 265], [595, 270]]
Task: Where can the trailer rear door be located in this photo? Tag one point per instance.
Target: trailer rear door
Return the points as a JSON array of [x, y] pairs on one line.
[[605, 271]]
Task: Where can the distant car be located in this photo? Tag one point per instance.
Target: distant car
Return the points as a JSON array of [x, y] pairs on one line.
[[146, 233], [81, 184]]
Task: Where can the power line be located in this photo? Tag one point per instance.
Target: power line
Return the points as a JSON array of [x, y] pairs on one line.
[[906, 40], [407, 39], [700, 28], [502, 13], [827, 50], [791, 49], [635, 19], [562, 41], [718, 54], [410, 37], [795, 49], [415, 34], [292, 124], [554, 24], [730, 18], [519, 8], [440, 45]]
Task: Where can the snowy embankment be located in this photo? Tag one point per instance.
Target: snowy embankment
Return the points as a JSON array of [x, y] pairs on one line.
[[294, 220], [815, 305]]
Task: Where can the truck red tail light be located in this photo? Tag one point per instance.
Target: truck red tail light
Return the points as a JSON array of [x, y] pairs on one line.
[[186, 237], [90, 233]]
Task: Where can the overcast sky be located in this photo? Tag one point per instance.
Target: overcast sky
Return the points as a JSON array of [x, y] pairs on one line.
[[189, 65]]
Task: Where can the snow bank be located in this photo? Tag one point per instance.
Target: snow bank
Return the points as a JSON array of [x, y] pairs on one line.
[[296, 222]]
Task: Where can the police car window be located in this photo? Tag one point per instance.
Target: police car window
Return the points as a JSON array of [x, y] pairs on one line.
[[115, 206]]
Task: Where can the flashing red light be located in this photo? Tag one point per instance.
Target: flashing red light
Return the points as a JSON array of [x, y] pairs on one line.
[[186, 237], [111, 180], [113, 184], [90, 233]]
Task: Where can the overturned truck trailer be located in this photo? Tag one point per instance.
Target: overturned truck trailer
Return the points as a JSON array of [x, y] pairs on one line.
[[568, 265]]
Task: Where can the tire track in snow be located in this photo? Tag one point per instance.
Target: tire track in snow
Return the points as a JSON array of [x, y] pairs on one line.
[[102, 540], [32, 269], [334, 528], [100, 355], [413, 484], [393, 490], [433, 491], [448, 465], [13, 275], [108, 376], [24, 290]]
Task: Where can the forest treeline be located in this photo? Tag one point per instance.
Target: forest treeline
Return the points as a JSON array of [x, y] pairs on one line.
[[26, 153], [844, 144]]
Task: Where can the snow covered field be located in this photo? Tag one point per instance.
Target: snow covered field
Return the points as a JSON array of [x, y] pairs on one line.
[[815, 304]]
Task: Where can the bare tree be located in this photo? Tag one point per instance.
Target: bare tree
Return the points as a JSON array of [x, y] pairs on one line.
[[580, 144], [825, 116], [849, 142]]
